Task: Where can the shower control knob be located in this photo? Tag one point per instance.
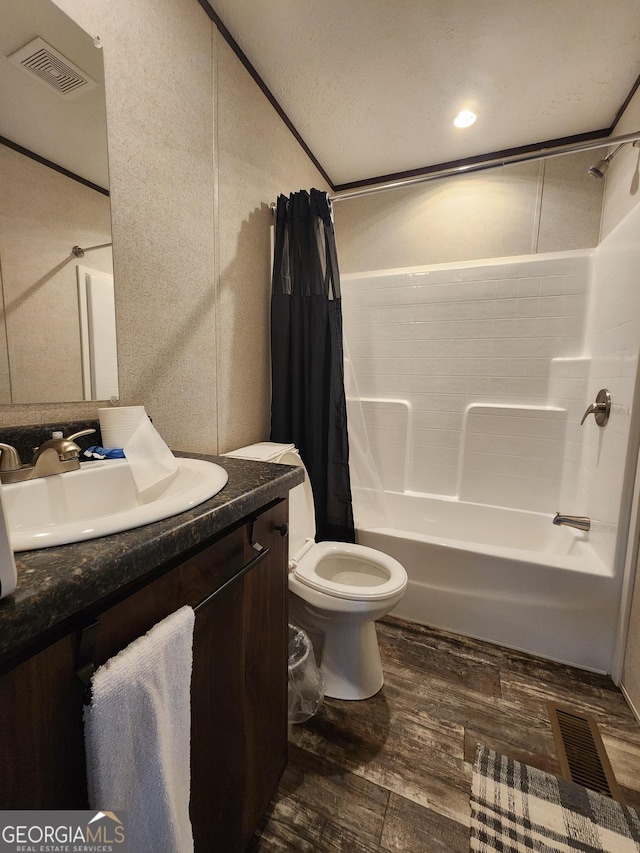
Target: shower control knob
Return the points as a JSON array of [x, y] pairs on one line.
[[284, 529], [601, 409]]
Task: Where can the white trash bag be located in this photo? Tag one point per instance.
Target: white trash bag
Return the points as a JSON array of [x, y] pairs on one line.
[[306, 684]]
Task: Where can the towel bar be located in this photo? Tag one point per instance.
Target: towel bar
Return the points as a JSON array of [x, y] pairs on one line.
[[86, 650], [262, 553]]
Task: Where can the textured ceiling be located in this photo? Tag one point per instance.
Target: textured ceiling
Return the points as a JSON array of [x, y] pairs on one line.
[[372, 86]]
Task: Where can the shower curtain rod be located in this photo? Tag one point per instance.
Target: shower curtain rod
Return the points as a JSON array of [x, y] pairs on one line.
[[78, 251], [489, 163]]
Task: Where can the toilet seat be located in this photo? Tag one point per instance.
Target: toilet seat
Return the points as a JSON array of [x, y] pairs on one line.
[[340, 569], [349, 571]]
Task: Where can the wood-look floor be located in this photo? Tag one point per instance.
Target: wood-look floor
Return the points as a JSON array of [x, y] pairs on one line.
[[393, 773]]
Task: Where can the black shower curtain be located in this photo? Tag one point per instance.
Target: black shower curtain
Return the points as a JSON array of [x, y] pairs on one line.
[[308, 406]]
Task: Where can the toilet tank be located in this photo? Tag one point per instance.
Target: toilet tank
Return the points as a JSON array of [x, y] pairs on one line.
[[302, 515]]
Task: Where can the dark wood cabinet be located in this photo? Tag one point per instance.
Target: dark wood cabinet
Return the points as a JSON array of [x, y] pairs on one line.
[[239, 701], [238, 692], [42, 744]]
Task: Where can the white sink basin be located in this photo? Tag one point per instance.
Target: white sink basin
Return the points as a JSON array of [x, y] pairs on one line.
[[99, 499]]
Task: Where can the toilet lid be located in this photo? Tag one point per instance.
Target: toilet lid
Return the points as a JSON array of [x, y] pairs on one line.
[[302, 514], [350, 571]]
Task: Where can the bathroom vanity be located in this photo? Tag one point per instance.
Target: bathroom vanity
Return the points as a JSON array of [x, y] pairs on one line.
[[78, 605]]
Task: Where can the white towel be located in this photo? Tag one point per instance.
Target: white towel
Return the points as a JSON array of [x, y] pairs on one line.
[[137, 736], [264, 451]]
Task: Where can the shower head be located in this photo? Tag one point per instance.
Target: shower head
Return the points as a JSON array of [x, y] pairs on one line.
[[599, 169]]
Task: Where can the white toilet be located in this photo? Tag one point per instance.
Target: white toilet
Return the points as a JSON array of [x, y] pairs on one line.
[[337, 589]]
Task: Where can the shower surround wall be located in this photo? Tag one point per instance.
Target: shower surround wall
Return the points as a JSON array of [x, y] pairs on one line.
[[475, 377], [472, 375]]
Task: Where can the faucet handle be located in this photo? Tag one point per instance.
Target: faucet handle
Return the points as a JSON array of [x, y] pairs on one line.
[[71, 449], [9, 458], [601, 409], [591, 410], [78, 434]]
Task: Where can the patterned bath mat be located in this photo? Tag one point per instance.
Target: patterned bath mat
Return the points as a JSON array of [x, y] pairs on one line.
[[516, 809]]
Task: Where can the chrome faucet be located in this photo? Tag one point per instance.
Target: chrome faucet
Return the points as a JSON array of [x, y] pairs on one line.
[[580, 522], [54, 456]]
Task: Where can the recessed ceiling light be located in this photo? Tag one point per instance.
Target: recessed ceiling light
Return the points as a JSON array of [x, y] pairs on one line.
[[465, 118]]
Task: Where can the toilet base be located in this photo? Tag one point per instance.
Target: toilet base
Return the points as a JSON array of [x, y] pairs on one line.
[[350, 661], [343, 633]]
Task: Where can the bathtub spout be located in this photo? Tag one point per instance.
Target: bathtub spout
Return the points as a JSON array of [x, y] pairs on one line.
[[580, 522]]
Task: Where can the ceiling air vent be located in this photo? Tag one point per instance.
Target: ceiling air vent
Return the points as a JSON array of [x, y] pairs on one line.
[[52, 68]]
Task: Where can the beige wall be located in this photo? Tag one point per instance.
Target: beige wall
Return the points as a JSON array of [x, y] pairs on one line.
[[196, 156], [43, 214], [258, 158], [543, 206]]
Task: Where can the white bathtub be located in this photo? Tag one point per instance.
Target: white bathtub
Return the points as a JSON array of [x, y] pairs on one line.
[[507, 576]]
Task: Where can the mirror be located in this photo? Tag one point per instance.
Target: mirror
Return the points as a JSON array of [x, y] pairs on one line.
[[57, 335]]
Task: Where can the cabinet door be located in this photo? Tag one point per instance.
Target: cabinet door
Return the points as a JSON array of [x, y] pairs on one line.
[[41, 737], [239, 697]]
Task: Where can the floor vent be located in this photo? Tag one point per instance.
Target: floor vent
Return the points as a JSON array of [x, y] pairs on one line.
[[583, 758]]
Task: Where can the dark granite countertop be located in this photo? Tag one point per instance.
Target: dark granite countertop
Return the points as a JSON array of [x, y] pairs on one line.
[[56, 584]]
